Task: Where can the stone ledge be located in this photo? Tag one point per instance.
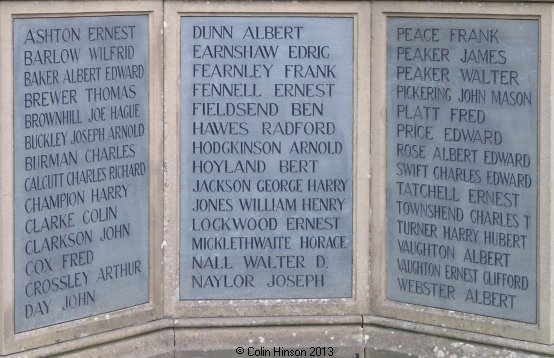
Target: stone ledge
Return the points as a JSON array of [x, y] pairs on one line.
[[169, 338], [394, 343]]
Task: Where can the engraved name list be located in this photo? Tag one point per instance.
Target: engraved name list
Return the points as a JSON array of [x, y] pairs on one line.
[[81, 167], [462, 165], [266, 157]]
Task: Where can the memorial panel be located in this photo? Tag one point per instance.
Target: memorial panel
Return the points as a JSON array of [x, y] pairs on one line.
[[266, 157], [81, 167], [462, 164]]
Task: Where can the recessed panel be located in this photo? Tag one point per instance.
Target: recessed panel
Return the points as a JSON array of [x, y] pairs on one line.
[[462, 159], [266, 157], [81, 167]]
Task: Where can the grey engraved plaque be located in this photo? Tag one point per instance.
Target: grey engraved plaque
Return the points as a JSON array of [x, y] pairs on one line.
[[462, 165], [81, 167], [266, 157]]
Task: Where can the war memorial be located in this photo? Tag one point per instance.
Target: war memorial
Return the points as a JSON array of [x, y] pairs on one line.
[[276, 179]]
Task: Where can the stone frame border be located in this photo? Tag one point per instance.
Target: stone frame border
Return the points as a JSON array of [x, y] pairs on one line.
[[439, 321], [127, 317], [348, 310]]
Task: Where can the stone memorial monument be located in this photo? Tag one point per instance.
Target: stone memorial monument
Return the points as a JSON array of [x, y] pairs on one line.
[[80, 204], [272, 179], [463, 241], [262, 169]]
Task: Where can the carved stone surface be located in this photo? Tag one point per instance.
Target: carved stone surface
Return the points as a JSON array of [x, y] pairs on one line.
[[462, 165], [266, 157], [81, 167]]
